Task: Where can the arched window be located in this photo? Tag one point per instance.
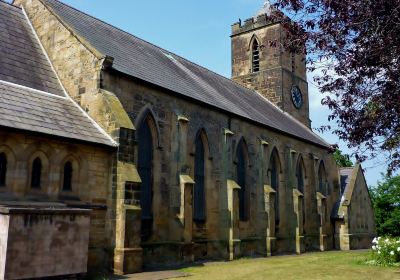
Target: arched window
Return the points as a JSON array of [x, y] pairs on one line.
[[3, 169], [275, 170], [322, 179], [255, 56], [241, 180], [36, 173], [300, 174], [145, 169], [67, 184], [199, 200]]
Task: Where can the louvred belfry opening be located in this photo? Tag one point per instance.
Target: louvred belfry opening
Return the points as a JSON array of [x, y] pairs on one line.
[[256, 56]]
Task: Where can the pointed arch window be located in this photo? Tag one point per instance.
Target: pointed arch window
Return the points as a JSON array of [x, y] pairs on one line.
[[241, 180], [274, 169], [255, 56], [199, 200], [68, 170], [145, 169], [36, 173], [322, 181], [300, 176], [3, 169]]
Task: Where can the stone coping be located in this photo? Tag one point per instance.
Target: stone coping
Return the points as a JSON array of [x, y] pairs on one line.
[[199, 241], [251, 238], [372, 235], [158, 243], [14, 207], [155, 275], [83, 205]]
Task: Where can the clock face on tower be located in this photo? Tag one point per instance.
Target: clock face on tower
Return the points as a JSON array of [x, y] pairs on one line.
[[297, 97]]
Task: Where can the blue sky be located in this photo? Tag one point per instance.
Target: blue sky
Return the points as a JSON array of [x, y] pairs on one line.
[[199, 31]]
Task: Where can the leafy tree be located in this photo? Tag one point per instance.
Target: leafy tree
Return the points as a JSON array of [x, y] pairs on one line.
[[354, 49], [341, 159], [386, 200]]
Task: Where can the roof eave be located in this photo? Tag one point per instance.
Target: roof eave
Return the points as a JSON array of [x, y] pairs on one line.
[[327, 147], [110, 146]]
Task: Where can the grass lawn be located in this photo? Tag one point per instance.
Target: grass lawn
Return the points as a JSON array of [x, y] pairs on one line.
[[321, 265]]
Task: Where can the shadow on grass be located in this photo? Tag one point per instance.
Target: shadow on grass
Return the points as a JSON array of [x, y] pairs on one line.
[[160, 268], [339, 259]]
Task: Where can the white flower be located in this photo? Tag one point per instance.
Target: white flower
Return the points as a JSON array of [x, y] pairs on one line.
[[398, 241], [391, 253], [379, 238], [379, 252], [375, 240], [398, 249], [387, 240], [374, 248]]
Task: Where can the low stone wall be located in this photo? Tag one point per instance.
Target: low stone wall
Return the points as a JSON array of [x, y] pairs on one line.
[[43, 241], [361, 241]]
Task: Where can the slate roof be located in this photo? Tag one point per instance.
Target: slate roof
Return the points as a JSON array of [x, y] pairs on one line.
[[143, 60], [346, 174], [345, 177], [22, 60], [30, 110], [31, 97]]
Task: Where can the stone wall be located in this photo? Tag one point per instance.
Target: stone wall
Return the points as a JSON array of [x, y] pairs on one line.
[[77, 64], [119, 104], [90, 183], [79, 67], [172, 158], [4, 225], [43, 241], [356, 229]]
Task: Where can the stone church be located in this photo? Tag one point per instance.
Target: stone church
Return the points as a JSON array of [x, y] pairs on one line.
[[118, 155]]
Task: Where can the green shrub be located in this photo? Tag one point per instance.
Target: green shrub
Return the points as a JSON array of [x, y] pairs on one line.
[[386, 251], [386, 201]]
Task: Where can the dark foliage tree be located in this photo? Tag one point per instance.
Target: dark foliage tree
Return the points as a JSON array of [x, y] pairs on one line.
[[386, 201], [353, 47], [342, 160]]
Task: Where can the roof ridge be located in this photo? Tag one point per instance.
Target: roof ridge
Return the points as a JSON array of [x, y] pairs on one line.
[[156, 46], [113, 26], [183, 58], [224, 86], [120, 29], [172, 53], [10, 4]]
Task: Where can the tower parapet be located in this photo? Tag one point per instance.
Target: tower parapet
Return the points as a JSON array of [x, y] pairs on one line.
[[253, 23]]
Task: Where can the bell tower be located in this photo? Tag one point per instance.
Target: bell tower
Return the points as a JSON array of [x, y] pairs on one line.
[[261, 63]]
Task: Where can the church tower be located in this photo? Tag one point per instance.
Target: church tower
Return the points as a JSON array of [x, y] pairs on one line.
[[261, 63]]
